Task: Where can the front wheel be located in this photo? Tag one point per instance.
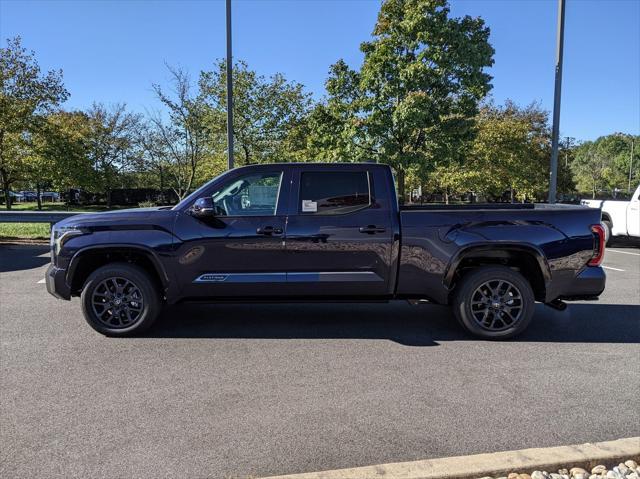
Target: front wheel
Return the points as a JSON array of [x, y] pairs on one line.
[[120, 299], [494, 302]]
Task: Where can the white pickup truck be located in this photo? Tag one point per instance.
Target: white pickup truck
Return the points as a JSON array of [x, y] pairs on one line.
[[620, 218]]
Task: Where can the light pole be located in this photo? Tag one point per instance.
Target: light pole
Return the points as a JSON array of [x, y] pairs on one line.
[[553, 179], [229, 90]]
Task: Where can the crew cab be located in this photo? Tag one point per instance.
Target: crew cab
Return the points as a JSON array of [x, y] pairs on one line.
[[326, 232], [619, 218]]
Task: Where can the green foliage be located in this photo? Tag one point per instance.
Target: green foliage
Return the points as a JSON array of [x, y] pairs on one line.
[[510, 153], [267, 112], [603, 165], [26, 95], [59, 152], [111, 144], [177, 148], [413, 102], [24, 231]]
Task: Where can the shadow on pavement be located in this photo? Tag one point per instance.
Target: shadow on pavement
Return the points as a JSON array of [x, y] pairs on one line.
[[21, 257], [623, 242], [426, 325]]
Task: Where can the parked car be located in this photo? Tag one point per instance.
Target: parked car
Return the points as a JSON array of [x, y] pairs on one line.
[[326, 232], [620, 218], [14, 197], [50, 196], [29, 195]]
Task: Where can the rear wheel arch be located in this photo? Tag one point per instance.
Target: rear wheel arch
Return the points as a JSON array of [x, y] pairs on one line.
[[525, 259], [88, 260]]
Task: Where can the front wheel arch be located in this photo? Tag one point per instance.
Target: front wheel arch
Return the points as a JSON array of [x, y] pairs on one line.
[[88, 260]]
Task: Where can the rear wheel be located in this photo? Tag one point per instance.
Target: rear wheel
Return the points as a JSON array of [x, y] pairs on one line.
[[494, 302], [120, 299]]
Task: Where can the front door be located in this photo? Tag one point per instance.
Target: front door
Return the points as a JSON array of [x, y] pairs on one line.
[[239, 251], [339, 235]]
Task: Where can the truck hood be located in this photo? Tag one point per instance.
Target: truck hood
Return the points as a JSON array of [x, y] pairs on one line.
[[116, 218]]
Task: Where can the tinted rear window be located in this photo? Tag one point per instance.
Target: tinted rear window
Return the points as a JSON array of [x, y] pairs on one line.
[[333, 192]]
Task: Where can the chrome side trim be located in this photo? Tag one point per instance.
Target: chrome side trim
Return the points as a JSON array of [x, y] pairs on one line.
[[307, 277], [241, 278], [333, 277]]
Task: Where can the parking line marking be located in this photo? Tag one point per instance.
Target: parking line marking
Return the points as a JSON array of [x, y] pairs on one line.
[[623, 252], [41, 281], [614, 269]]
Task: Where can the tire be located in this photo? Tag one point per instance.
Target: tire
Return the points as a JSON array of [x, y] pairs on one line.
[[607, 232], [132, 295], [501, 315]]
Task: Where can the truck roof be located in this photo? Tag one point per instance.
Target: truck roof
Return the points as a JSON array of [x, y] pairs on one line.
[[315, 165]]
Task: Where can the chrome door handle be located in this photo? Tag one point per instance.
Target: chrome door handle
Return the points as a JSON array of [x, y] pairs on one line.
[[372, 229], [269, 230]]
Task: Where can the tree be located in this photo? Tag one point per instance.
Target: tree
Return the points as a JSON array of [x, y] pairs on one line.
[[334, 127], [509, 154], [418, 88], [153, 161], [177, 147], [59, 153], [111, 144], [267, 113], [566, 155], [604, 164], [26, 96]]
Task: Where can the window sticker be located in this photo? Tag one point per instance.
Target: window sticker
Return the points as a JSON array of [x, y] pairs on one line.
[[309, 206]]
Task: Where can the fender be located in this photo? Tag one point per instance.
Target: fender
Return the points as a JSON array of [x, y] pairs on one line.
[[153, 257], [474, 248]]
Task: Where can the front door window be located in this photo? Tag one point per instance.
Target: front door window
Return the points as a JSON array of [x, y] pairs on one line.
[[251, 195]]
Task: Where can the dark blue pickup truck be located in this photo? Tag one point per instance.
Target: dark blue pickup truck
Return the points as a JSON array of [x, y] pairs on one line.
[[323, 232]]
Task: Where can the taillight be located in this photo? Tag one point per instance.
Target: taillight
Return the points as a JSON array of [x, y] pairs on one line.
[[598, 246]]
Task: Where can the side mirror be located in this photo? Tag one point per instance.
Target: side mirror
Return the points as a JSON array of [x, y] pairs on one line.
[[203, 208]]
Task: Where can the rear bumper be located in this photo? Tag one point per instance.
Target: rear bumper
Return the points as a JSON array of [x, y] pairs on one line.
[[56, 281], [589, 284]]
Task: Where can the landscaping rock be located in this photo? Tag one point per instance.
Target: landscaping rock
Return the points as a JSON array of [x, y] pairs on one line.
[[627, 470]]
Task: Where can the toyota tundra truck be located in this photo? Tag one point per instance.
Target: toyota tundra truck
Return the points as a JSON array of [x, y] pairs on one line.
[[326, 232]]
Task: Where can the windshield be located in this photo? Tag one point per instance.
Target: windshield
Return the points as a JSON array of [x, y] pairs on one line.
[[199, 192]]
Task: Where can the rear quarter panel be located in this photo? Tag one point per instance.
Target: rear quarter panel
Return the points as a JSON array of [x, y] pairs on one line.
[[433, 242]]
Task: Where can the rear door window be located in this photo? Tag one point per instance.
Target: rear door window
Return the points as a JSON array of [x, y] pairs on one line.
[[333, 192]]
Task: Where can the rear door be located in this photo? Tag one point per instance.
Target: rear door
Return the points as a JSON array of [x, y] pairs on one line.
[[339, 232]]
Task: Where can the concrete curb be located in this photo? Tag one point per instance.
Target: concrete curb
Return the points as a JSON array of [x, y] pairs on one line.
[[23, 242], [495, 464]]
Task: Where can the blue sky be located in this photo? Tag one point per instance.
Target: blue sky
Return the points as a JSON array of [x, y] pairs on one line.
[[111, 51]]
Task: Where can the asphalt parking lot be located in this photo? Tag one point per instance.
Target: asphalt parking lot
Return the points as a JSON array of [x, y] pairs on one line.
[[252, 390]]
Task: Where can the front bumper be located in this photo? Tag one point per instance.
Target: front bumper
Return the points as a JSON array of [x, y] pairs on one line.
[[589, 284], [56, 281]]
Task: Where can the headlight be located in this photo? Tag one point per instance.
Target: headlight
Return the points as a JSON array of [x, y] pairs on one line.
[[60, 234]]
